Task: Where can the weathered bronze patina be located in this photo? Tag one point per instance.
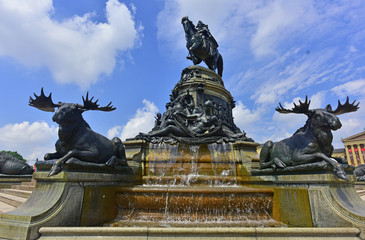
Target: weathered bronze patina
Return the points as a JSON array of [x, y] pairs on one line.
[[310, 144], [202, 45], [12, 166], [77, 142], [360, 172], [199, 111]]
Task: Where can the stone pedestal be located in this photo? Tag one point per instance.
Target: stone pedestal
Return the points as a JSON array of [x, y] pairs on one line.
[[314, 200], [204, 84], [68, 199]]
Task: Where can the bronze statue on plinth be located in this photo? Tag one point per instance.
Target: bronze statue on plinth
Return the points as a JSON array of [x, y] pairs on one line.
[[310, 144], [202, 45], [77, 143]]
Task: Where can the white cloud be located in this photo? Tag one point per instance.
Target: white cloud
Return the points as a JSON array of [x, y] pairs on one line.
[[352, 49], [356, 87], [245, 118], [317, 100], [300, 73], [76, 50], [276, 20], [143, 121], [30, 140], [114, 132]]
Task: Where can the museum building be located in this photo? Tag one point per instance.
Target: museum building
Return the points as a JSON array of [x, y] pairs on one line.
[[355, 148]]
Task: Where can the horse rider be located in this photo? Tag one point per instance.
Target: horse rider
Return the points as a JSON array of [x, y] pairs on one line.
[[208, 40]]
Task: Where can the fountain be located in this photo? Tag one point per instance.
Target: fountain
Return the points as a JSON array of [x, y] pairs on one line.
[[194, 175]]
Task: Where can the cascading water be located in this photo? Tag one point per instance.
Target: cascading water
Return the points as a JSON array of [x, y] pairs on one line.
[[185, 185], [186, 165], [193, 173], [223, 164], [162, 162]]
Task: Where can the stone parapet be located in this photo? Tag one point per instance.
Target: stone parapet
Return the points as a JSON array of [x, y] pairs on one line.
[[228, 233], [67, 199]]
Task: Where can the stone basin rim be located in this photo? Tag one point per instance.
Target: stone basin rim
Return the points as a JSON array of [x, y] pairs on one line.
[[182, 230], [195, 189]]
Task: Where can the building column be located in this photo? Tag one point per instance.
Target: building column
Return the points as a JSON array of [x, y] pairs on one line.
[[360, 154], [354, 155], [347, 155]]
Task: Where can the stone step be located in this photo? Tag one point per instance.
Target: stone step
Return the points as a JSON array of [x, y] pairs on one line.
[[11, 200], [31, 183], [17, 192], [6, 185], [227, 233], [23, 187], [5, 207], [195, 204]]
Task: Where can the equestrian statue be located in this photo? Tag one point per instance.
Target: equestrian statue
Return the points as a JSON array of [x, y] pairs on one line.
[[202, 46]]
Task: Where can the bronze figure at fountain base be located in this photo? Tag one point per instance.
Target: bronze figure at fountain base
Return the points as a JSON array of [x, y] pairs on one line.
[[199, 112]]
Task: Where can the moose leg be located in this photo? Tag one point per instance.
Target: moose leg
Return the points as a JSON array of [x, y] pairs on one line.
[[337, 167], [115, 161], [265, 159], [58, 165], [57, 154], [273, 163], [49, 156], [119, 157]]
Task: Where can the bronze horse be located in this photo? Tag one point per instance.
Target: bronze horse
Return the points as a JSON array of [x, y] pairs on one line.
[[197, 51]]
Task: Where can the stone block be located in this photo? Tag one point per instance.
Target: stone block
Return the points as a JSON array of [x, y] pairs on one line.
[[67, 199]]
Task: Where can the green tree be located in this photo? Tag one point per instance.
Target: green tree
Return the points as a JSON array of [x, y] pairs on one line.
[[15, 154]]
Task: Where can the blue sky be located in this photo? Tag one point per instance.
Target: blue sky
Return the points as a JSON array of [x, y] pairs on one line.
[[132, 53]]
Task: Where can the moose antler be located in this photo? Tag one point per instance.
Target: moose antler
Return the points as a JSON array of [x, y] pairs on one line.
[[90, 105], [301, 108], [345, 108], [42, 102]]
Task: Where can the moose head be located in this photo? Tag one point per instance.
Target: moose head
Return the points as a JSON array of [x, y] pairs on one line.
[[67, 112], [321, 118]]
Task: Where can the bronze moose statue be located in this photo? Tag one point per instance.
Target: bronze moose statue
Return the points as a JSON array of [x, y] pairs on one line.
[[76, 139], [311, 143], [10, 165]]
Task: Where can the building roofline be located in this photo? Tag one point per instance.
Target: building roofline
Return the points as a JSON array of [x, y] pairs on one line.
[[353, 136]]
